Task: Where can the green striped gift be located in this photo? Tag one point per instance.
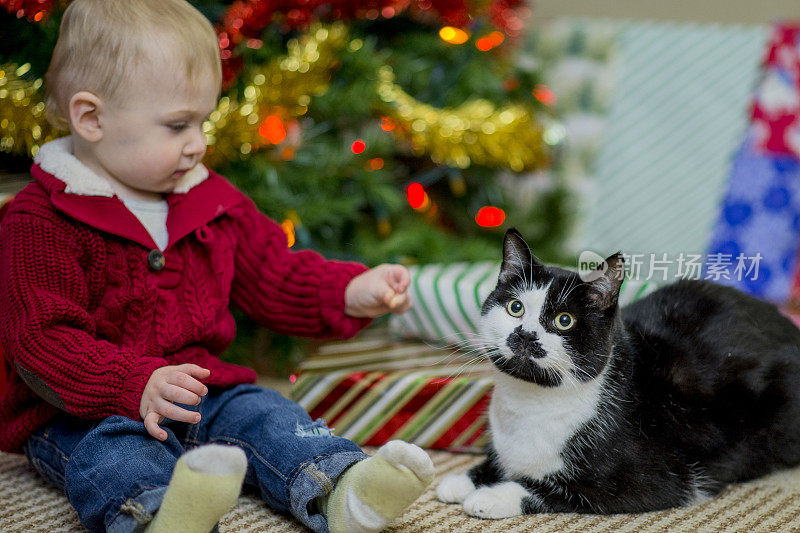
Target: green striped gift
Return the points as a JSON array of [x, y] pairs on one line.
[[448, 298], [374, 389]]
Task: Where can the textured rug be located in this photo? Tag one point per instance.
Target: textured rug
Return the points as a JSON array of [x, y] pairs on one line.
[[772, 504]]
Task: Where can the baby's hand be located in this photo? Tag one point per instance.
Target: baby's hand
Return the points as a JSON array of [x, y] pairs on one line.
[[171, 384], [377, 291]]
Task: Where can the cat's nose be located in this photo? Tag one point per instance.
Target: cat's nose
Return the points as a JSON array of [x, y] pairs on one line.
[[527, 336], [525, 343]]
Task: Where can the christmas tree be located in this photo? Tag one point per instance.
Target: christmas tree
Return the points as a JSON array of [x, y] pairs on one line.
[[373, 130]]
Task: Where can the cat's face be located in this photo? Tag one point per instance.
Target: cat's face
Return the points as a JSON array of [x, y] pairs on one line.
[[545, 324]]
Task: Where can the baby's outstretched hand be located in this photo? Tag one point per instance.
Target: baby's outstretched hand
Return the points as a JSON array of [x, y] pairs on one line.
[[172, 384], [377, 291]]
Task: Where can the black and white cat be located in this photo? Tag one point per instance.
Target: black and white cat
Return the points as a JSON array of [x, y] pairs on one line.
[[598, 409]]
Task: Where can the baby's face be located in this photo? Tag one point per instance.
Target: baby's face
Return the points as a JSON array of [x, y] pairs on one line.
[[154, 133]]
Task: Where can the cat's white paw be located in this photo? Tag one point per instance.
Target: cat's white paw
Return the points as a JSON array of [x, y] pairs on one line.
[[454, 488], [498, 501]]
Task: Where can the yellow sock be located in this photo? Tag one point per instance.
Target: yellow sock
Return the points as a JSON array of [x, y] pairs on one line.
[[374, 491], [205, 485]]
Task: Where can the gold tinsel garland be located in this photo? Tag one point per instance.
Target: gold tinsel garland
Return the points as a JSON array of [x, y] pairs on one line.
[[475, 132], [23, 126], [284, 88]]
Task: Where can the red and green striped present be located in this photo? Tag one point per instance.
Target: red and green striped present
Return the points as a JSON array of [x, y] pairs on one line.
[[374, 389]]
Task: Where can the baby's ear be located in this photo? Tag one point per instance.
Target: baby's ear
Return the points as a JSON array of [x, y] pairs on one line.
[[516, 255], [84, 115], [607, 280]]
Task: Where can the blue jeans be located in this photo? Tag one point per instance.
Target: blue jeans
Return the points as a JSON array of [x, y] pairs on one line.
[[115, 474]]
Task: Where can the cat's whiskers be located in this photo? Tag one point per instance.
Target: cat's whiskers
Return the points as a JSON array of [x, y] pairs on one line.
[[461, 340], [521, 272], [572, 379], [474, 350], [475, 353], [521, 261], [556, 360], [579, 372], [458, 348], [445, 342], [465, 366], [560, 298], [575, 286], [456, 356], [521, 285]]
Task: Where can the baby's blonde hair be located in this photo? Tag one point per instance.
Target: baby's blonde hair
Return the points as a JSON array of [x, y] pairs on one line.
[[103, 44]]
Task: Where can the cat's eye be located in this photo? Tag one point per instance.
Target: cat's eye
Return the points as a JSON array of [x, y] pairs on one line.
[[515, 308], [564, 321]]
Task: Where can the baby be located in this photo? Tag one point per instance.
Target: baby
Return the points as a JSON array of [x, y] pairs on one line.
[[118, 265]]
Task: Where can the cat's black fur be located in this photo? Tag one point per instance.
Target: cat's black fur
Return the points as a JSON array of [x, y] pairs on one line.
[[701, 388]]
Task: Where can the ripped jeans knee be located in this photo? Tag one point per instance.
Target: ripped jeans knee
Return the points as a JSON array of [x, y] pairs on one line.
[[137, 511], [317, 428]]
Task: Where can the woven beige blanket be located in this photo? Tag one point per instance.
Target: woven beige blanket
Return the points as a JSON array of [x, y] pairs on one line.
[[772, 504]]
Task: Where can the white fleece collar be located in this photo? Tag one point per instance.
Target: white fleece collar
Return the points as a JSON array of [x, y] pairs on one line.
[[55, 157]]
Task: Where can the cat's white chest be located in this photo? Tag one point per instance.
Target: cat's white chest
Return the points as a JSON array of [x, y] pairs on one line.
[[530, 425]]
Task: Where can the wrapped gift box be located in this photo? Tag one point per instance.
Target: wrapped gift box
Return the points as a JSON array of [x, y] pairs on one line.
[[375, 389]]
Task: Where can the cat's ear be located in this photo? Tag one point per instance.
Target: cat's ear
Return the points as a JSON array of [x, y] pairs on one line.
[[604, 289], [516, 255]]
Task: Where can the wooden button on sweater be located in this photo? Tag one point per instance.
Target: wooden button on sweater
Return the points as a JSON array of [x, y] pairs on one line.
[[156, 260]]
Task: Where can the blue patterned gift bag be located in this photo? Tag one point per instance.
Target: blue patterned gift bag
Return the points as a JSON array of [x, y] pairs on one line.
[[759, 220], [759, 224]]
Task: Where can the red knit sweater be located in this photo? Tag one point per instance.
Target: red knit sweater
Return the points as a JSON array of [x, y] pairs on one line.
[[85, 317]]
